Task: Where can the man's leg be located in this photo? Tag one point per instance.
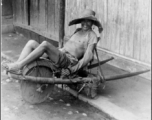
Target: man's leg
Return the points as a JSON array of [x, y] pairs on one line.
[[29, 47], [44, 47]]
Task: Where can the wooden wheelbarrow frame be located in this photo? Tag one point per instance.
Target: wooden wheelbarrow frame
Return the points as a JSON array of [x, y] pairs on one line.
[[29, 84]]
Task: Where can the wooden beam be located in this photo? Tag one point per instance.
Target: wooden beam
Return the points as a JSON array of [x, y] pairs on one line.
[[77, 80], [101, 63]]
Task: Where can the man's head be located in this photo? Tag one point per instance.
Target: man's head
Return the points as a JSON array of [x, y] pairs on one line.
[[87, 19], [86, 24]]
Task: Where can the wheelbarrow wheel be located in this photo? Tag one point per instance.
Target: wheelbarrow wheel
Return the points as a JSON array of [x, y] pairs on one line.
[[33, 92]]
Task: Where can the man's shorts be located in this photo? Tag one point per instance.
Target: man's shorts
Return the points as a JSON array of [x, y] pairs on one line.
[[66, 60]]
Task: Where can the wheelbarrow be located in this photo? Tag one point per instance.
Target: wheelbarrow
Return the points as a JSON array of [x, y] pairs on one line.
[[40, 77]]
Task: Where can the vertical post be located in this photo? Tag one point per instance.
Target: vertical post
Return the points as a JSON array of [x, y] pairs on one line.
[[61, 23], [28, 11]]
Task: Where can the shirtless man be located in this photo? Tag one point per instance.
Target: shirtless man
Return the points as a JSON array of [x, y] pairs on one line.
[[75, 54]]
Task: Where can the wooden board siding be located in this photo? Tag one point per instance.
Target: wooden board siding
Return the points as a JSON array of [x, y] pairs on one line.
[[34, 16], [18, 11], [51, 20], [14, 10], [40, 16], [56, 17], [126, 24], [25, 13], [42, 11]]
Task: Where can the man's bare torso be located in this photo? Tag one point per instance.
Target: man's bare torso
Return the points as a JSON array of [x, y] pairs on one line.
[[77, 44]]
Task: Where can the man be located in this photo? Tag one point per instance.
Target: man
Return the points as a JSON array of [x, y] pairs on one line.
[[75, 54]]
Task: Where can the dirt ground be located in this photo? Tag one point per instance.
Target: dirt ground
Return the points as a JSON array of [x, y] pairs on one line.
[[59, 106]]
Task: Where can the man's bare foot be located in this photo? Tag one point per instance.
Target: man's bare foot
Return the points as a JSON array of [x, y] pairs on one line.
[[13, 66]]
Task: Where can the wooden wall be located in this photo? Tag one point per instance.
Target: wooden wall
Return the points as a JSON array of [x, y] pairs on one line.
[[6, 7], [126, 26], [39, 16]]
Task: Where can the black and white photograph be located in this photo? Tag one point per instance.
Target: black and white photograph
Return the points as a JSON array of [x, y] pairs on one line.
[[75, 59]]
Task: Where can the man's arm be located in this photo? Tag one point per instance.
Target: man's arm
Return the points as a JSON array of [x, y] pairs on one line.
[[92, 41], [85, 60]]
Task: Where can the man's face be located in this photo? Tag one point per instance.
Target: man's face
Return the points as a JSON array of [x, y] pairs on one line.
[[86, 24]]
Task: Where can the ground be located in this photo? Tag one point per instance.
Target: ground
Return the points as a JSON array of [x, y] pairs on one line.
[[59, 106], [124, 99]]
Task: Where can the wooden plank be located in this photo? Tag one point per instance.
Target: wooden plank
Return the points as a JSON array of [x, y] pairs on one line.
[[100, 10], [38, 12], [61, 23], [137, 38], [56, 31], [111, 26], [51, 16], [22, 12], [99, 13], [123, 33], [118, 27], [148, 31], [103, 42], [18, 11], [66, 22], [31, 12], [149, 34], [129, 29], [32, 18], [25, 12], [94, 5], [109, 30], [14, 11], [42, 15], [114, 32], [144, 28], [89, 4], [72, 12], [46, 15], [34, 13], [136, 53], [69, 16]]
